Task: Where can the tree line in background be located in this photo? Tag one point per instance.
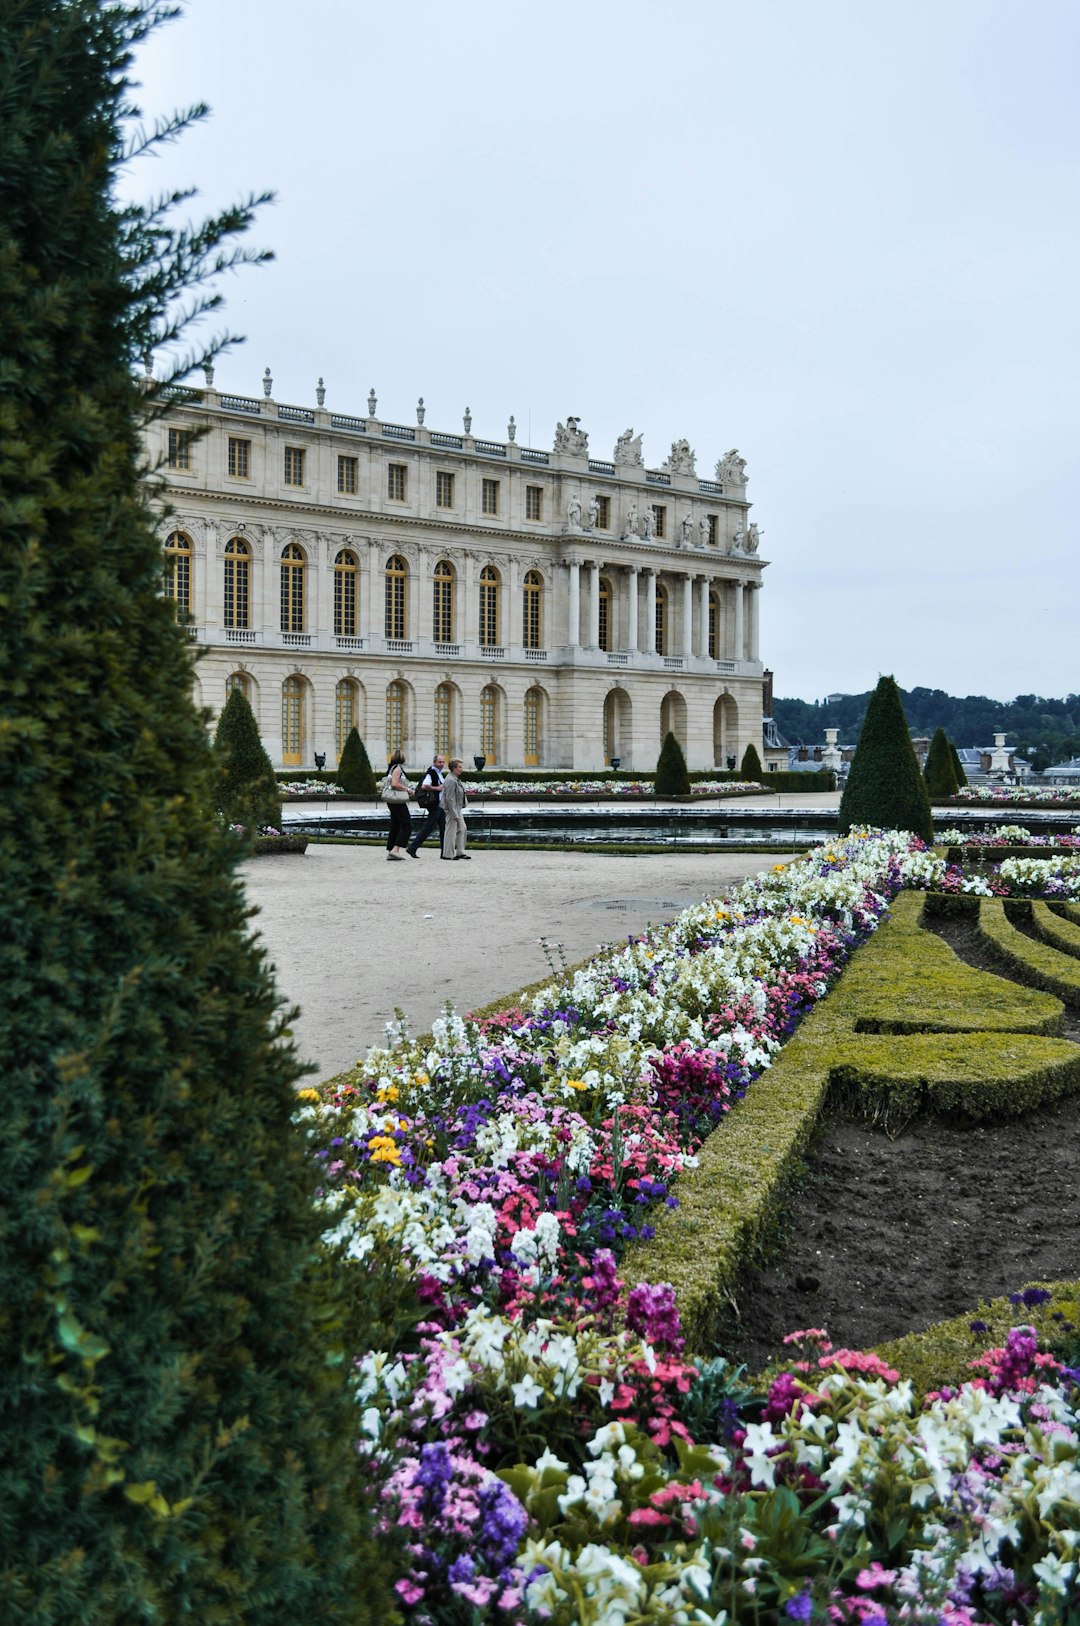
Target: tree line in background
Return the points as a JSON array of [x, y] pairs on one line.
[[1045, 731]]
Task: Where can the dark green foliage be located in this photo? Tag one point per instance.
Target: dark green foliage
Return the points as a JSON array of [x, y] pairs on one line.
[[354, 773], [247, 788], [750, 766], [938, 770], [958, 767], [884, 786], [176, 1431], [672, 778]]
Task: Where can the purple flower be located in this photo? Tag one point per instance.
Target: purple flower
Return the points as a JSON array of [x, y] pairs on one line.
[[800, 1607]]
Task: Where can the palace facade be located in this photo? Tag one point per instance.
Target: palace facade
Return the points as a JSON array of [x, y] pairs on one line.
[[444, 592]]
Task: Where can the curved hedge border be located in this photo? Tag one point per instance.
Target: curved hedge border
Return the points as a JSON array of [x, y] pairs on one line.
[[1059, 933], [1032, 962], [941, 1355], [996, 1060], [263, 846]]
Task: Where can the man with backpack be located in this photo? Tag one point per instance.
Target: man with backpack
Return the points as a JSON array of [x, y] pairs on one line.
[[428, 794]]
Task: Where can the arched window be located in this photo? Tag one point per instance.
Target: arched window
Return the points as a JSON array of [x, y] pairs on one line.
[[444, 719], [605, 613], [489, 723], [714, 627], [397, 580], [396, 717], [489, 607], [292, 588], [292, 721], [346, 712], [237, 611], [661, 619], [531, 625], [443, 603], [178, 573], [534, 722], [241, 681], [346, 577]]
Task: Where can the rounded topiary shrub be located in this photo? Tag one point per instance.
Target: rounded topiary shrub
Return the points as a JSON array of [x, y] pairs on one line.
[[672, 778], [354, 771], [885, 787], [750, 767], [247, 787]]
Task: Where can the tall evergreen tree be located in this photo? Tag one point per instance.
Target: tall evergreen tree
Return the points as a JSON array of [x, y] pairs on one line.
[[175, 1440], [354, 773], [247, 787], [958, 767], [938, 770], [750, 767], [672, 778], [884, 785]]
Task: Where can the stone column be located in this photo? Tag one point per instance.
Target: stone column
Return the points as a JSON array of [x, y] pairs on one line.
[[322, 556], [468, 613], [631, 619], [703, 616], [511, 624], [650, 611], [419, 575], [370, 588], [740, 630], [594, 605], [687, 616], [753, 607], [573, 611]]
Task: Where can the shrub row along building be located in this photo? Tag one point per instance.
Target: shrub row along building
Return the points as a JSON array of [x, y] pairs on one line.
[[445, 592]]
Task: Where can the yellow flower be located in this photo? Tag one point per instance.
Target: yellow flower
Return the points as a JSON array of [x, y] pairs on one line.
[[576, 1084], [389, 1092], [422, 1078], [778, 867], [307, 1095], [384, 1149]]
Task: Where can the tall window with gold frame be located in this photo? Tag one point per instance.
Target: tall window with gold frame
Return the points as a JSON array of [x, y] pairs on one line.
[[178, 573], [444, 719], [442, 614], [346, 577], [489, 723], [292, 587], [661, 619], [292, 721], [489, 608], [237, 597], [605, 613], [396, 715], [397, 581], [346, 712], [241, 681], [532, 599], [533, 719]]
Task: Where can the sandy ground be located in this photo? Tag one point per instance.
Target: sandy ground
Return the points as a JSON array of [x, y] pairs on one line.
[[353, 937]]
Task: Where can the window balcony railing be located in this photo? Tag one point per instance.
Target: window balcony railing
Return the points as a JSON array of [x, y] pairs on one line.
[[453, 443], [192, 632], [726, 666], [617, 659], [293, 414], [530, 455], [673, 663], [710, 488], [598, 466], [657, 477], [399, 646], [489, 448], [536, 654], [240, 635], [347, 641], [296, 640], [341, 420], [241, 403], [448, 649], [493, 652], [397, 431]]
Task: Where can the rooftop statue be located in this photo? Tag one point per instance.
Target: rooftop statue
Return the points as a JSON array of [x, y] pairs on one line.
[[628, 449], [569, 438], [731, 470], [682, 459]]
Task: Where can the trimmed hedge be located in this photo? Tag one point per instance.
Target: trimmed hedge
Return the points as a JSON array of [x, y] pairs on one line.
[[1032, 962], [903, 978], [264, 845], [1060, 934], [941, 1355]]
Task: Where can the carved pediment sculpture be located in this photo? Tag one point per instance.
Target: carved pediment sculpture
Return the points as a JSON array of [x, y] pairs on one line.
[[731, 471], [628, 449], [569, 438], [682, 459]]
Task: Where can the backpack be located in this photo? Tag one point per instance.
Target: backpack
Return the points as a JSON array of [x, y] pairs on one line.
[[428, 797]]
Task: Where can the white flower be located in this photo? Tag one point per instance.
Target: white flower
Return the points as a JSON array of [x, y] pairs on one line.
[[760, 1439], [526, 1392]]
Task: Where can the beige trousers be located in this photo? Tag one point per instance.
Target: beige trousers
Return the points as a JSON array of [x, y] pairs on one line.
[[453, 841]]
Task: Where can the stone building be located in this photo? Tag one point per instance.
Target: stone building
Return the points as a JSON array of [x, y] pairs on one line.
[[541, 608]]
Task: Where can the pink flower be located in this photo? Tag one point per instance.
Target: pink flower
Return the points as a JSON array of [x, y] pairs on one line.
[[409, 1590]]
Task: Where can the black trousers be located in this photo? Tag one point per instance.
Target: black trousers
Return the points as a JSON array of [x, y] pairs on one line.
[[400, 825], [435, 820]]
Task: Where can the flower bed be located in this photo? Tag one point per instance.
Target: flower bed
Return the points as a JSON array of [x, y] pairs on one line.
[[1020, 795], [604, 789], [539, 1444]]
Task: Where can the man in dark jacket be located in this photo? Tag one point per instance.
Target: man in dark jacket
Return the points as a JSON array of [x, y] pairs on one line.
[[427, 794]]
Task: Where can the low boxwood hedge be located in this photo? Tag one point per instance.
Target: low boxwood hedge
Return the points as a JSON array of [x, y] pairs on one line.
[[1030, 961], [263, 846], [1063, 934], [941, 1355]]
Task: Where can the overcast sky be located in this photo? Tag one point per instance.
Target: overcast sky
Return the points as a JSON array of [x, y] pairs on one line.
[[841, 237]]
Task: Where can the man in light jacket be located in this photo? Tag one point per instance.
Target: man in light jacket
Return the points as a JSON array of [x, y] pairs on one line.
[[453, 805]]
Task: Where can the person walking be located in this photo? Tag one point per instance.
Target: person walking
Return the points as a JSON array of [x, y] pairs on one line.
[[396, 792], [428, 795], [453, 801]]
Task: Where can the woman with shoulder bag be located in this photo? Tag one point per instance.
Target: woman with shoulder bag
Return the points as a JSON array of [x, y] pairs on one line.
[[396, 792]]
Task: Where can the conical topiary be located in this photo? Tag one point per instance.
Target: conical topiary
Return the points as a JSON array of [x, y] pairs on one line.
[[958, 767], [938, 770], [672, 778], [354, 771], [247, 787], [178, 1434], [750, 768], [884, 787]]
